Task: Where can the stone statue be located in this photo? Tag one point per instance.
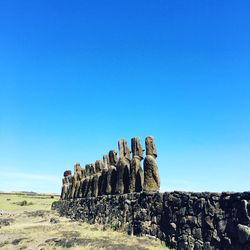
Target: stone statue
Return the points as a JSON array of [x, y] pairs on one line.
[[65, 185], [64, 188], [78, 177], [111, 174], [86, 190], [83, 177], [123, 168], [70, 186], [151, 175], [103, 177], [136, 172], [95, 180]]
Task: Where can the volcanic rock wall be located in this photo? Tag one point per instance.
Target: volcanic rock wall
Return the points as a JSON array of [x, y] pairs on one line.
[[183, 220]]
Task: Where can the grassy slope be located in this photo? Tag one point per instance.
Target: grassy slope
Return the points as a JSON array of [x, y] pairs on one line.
[[30, 228]]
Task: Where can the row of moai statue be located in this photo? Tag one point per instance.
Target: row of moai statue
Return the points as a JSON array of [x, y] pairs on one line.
[[115, 176]]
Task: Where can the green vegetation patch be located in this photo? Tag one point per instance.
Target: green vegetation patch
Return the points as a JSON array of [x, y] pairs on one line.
[[17, 202]]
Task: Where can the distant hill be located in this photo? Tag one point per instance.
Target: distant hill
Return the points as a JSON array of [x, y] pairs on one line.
[[31, 193]]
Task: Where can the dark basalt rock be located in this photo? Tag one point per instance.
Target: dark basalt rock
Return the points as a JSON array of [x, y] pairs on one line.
[[163, 216]]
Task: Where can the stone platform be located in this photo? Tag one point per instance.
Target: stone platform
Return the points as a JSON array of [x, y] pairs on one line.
[[183, 220]]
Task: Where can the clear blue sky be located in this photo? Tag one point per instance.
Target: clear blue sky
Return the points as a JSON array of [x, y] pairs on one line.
[[77, 76]]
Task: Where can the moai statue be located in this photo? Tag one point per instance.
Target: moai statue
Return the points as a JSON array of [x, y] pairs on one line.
[[103, 178], [92, 180], [78, 176], [95, 181], [83, 177], [123, 168], [111, 174], [65, 186], [71, 183], [86, 185], [136, 172], [151, 174], [74, 180]]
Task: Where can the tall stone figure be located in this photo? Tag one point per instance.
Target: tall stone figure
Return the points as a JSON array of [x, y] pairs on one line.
[[151, 174], [123, 168], [95, 180], [64, 188], [103, 178], [86, 190], [78, 177], [70, 186], [83, 177], [111, 175], [91, 177], [65, 185], [136, 172]]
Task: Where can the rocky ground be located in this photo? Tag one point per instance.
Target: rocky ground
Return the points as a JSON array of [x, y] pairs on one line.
[[27, 222]]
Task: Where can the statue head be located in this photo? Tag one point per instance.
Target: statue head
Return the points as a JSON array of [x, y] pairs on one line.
[[67, 173], [92, 168], [150, 146], [113, 157], [98, 166], [106, 162], [136, 147], [83, 173], [87, 170], [124, 149], [77, 167]]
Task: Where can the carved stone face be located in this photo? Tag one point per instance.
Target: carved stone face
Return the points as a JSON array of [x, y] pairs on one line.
[[124, 149], [113, 157], [106, 162], [150, 146], [87, 170], [92, 168], [136, 147], [77, 167], [98, 166]]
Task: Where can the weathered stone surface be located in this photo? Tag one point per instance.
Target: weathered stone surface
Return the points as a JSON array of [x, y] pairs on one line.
[[243, 233], [151, 177], [123, 168], [111, 175], [78, 177], [136, 172], [74, 180], [124, 149], [159, 215], [65, 187], [150, 146], [151, 174], [106, 162], [86, 186], [103, 178], [83, 177], [70, 185], [243, 212], [94, 185], [98, 166], [122, 180]]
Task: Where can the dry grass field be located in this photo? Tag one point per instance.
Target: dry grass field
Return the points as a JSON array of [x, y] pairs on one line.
[[27, 222]]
